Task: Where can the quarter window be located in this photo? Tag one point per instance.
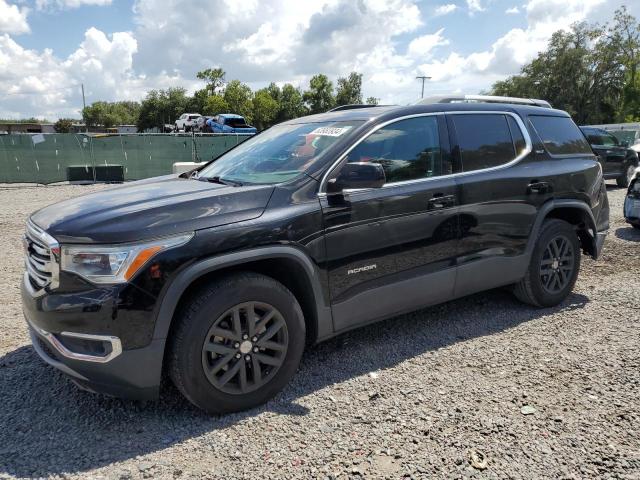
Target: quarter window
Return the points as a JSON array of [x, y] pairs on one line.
[[407, 150], [560, 135], [484, 140]]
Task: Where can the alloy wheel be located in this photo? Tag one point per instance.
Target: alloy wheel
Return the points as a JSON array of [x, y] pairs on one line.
[[245, 347], [557, 264]]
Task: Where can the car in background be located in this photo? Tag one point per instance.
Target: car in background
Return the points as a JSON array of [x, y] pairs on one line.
[[186, 121], [200, 124], [230, 123], [632, 202], [630, 136], [618, 161]]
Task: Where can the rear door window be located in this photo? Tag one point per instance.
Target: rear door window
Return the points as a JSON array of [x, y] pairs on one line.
[[560, 135], [484, 140]]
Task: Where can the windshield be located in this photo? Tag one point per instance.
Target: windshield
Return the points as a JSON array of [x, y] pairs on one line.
[[278, 154]]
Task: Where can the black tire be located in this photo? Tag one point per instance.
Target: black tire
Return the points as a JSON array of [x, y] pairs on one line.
[[624, 180], [548, 290], [192, 337]]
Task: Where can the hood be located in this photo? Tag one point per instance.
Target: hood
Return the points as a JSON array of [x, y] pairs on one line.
[[151, 208]]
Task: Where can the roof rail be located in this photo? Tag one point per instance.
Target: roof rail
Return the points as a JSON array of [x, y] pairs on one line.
[[454, 98], [353, 106]]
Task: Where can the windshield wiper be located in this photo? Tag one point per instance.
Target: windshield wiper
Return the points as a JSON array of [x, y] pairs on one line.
[[223, 181]]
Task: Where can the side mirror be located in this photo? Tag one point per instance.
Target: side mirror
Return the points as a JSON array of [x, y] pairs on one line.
[[357, 175]]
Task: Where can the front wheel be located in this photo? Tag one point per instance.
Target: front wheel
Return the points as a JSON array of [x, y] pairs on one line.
[[237, 343], [553, 267], [624, 180]]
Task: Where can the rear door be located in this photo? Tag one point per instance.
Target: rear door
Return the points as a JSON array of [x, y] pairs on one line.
[[392, 249], [499, 197]]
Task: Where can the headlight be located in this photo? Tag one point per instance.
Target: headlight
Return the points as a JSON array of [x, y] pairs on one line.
[[114, 264]]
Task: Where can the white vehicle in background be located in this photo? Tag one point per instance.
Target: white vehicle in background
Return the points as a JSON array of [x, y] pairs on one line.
[[186, 121]]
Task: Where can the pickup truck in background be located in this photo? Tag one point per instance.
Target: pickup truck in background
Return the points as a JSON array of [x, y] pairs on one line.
[[230, 123]]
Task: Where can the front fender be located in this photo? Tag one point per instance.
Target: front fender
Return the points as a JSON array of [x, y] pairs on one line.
[[186, 277]]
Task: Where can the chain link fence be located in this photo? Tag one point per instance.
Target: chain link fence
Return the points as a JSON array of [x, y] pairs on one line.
[[51, 158]]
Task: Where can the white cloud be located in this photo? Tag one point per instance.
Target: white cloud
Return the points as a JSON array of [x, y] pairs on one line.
[[38, 83], [422, 46], [13, 19], [446, 9], [511, 51], [475, 6], [260, 42], [512, 11], [68, 4]]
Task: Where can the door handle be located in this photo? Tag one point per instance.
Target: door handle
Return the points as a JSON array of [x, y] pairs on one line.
[[439, 201], [538, 187]]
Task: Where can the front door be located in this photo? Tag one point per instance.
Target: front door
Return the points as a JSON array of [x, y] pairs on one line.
[[392, 249]]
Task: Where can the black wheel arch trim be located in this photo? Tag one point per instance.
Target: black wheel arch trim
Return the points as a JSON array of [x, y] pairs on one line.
[[175, 291], [556, 204]]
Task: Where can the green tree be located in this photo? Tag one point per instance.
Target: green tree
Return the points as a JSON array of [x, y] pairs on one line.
[[265, 109], [110, 114], [349, 89], [63, 125], [215, 105], [274, 90], [372, 101], [291, 103], [162, 107], [196, 104], [319, 98], [580, 72], [624, 36], [238, 97], [214, 78]]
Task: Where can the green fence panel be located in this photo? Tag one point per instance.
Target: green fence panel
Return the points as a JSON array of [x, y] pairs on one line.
[[46, 158]]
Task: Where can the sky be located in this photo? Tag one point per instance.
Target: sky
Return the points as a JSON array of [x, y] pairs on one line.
[[122, 49]]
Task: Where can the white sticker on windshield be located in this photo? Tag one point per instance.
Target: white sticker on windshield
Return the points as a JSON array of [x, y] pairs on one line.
[[330, 131]]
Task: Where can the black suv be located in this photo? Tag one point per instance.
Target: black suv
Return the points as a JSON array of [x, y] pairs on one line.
[[318, 225], [618, 161]]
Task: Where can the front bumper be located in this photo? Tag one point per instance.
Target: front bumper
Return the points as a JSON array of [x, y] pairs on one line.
[[131, 374], [100, 346]]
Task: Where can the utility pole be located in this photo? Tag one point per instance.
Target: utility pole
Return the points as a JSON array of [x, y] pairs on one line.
[[84, 105], [423, 78]]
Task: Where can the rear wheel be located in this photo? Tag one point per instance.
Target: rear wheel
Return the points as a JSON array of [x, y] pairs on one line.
[[554, 266], [237, 343], [624, 180]]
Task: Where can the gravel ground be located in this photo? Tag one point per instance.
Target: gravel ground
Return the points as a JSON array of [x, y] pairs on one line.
[[480, 387]]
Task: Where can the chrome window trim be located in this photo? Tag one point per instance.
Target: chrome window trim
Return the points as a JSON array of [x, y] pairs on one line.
[[525, 133], [116, 345]]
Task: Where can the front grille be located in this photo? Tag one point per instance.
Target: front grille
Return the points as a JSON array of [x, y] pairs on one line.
[[40, 264]]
